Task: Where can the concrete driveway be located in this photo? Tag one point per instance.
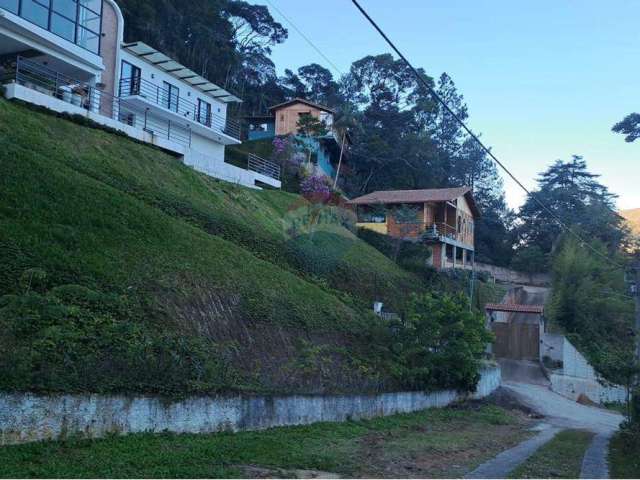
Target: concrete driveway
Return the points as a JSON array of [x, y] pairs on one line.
[[562, 412]]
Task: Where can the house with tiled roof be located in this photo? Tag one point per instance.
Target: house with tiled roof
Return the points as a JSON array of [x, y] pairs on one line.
[[442, 218]]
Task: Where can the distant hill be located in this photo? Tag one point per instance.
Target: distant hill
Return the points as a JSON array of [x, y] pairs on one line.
[[633, 219]]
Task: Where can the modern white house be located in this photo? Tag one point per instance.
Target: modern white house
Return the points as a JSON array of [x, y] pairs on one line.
[[70, 56]]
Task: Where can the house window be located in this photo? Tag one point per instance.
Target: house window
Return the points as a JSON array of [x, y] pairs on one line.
[[36, 11], [170, 96], [10, 5], [204, 112], [78, 21], [130, 80]]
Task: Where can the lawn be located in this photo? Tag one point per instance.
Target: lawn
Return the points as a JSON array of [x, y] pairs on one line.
[[433, 443], [560, 458]]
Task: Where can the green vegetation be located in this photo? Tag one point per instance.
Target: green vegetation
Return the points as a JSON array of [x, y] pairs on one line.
[[624, 453], [433, 443], [439, 332], [590, 304], [560, 458], [124, 270]]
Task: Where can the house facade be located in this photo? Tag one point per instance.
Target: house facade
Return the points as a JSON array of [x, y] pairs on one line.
[[283, 120], [444, 219], [69, 56]]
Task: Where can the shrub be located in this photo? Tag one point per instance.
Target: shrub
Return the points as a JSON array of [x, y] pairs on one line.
[[74, 339], [315, 189], [440, 344]]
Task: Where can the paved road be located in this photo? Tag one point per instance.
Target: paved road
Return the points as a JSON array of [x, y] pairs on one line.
[[526, 381], [561, 411], [506, 462]]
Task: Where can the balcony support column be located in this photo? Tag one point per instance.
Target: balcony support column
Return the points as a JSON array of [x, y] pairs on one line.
[[455, 256]]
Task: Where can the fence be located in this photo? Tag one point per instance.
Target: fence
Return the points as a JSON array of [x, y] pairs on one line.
[[165, 98], [265, 167], [80, 94]]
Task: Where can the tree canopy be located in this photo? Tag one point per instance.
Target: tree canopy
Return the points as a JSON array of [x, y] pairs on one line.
[[569, 192]]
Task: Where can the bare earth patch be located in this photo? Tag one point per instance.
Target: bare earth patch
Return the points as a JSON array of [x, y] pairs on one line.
[[444, 450]]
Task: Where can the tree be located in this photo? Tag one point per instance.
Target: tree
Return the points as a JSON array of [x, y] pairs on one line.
[[589, 302], [310, 129], [574, 195], [440, 343], [226, 41], [629, 126]]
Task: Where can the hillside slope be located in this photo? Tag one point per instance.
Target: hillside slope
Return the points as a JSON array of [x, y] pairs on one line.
[[124, 270], [633, 219]]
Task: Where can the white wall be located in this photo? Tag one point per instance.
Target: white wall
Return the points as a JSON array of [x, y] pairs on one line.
[[28, 417], [34, 97], [577, 377], [155, 75]]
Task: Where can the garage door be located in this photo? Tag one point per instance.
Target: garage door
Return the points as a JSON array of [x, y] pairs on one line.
[[518, 341]]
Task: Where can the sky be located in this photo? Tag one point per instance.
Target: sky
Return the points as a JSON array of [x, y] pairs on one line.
[[543, 79]]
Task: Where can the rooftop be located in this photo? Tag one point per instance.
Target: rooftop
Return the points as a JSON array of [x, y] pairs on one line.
[[417, 196], [515, 308], [173, 68], [301, 100]]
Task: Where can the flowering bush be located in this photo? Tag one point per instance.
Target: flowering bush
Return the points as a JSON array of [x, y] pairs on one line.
[[315, 189], [281, 145]]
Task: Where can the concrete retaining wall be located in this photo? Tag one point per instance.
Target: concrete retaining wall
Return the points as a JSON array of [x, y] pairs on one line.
[[574, 387], [511, 276], [26, 417], [577, 376]]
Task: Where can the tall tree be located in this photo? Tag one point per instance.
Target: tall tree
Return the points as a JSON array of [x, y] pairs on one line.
[[574, 195], [629, 126]]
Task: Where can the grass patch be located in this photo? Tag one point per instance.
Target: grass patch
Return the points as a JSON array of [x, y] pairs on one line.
[[419, 438], [624, 454], [559, 458]]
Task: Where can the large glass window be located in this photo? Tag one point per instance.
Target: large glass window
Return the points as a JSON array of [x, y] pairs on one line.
[[204, 112], [36, 11], [12, 5], [130, 81], [170, 96], [79, 21]]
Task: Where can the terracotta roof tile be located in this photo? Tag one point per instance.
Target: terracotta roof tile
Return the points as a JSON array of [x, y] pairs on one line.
[[411, 196], [386, 197], [513, 307]]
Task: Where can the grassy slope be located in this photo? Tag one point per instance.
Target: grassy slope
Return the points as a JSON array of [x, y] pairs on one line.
[[206, 258], [435, 443]]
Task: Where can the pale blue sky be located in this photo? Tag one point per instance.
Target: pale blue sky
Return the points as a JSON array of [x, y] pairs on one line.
[[543, 79]]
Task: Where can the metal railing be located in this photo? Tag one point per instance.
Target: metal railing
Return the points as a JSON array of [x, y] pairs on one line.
[[430, 231], [85, 96], [265, 167], [163, 97]]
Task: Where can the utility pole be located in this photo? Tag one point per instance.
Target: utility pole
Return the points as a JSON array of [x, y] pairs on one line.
[[636, 293], [344, 139]]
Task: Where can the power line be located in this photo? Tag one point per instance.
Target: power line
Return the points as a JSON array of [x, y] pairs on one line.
[[307, 39], [476, 139]]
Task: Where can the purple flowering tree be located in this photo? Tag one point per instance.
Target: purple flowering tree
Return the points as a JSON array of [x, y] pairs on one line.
[[316, 189]]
